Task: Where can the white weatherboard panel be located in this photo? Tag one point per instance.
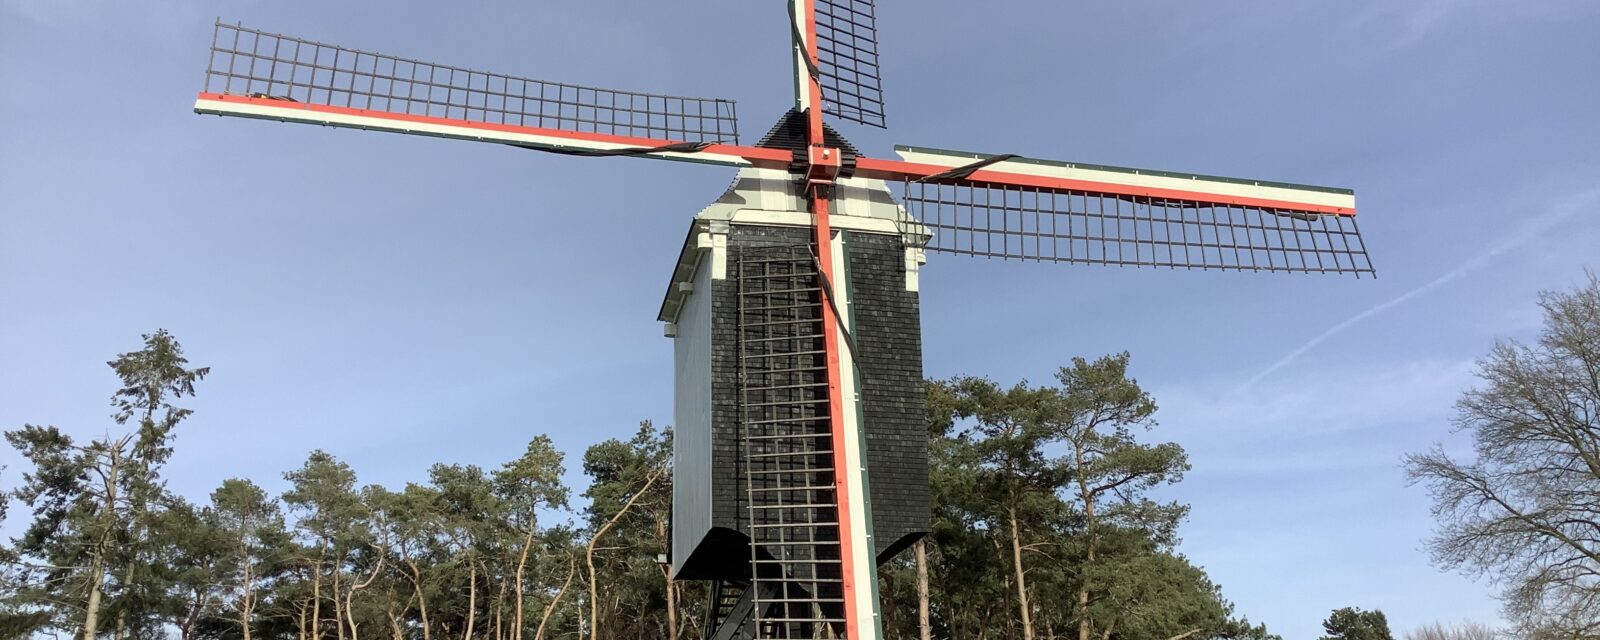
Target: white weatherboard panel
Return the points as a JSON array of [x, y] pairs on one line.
[[379, 123], [777, 190], [691, 442], [1195, 184], [804, 219]]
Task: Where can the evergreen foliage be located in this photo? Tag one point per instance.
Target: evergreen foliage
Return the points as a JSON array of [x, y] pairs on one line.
[[1044, 527], [1351, 623], [1043, 524]]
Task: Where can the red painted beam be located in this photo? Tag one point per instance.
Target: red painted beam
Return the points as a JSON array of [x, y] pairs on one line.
[[820, 196]]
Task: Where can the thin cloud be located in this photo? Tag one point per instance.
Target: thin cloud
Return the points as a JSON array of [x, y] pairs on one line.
[[1422, 22], [1400, 393], [1532, 229], [1392, 25]]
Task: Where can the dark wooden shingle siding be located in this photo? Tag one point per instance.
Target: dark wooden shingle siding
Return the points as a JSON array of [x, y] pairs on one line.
[[728, 490], [888, 332]]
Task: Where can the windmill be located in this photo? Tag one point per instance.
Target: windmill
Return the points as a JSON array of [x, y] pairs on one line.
[[800, 449]]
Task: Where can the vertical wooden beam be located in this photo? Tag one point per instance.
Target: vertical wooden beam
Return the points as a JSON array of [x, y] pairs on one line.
[[820, 194]]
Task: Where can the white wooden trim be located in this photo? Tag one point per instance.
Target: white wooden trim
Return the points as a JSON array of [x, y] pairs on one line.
[[1196, 184], [307, 116], [864, 546]]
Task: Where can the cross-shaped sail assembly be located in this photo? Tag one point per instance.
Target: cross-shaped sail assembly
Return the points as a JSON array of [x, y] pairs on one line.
[[1017, 208], [800, 448]]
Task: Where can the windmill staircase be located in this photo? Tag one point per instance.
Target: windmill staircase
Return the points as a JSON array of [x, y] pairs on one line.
[[796, 587]]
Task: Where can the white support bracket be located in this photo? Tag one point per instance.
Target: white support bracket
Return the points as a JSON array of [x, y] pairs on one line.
[[915, 258], [717, 236]]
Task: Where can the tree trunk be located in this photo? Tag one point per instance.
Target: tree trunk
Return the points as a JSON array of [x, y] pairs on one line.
[[666, 573], [316, 592], [128, 573], [1022, 585], [572, 571], [192, 618], [594, 599], [349, 598], [690, 625], [247, 601], [1006, 593], [522, 562], [394, 627], [91, 615], [122, 612], [338, 605], [472, 598], [137, 506], [300, 612], [924, 625], [1085, 625], [499, 609], [97, 563], [672, 605], [422, 600], [244, 618]]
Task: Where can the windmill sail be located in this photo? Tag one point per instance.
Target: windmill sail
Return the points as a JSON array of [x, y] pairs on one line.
[[258, 74], [1008, 207], [847, 57]]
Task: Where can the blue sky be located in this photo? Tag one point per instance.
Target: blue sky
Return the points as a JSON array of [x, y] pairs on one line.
[[400, 301]]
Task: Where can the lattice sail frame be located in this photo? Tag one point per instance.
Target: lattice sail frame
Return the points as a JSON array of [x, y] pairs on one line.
[[1003, 221], [253, 63], [1154, 219], [847, 60]]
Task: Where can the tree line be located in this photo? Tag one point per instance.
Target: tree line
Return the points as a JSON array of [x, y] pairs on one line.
[[1042, 529], [467, 552], [1045, 523]]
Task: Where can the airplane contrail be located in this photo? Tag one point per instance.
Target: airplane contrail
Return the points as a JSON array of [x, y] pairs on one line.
[[1532, 229]]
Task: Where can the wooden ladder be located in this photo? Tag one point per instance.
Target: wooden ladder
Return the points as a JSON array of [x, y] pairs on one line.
[[792, 508]]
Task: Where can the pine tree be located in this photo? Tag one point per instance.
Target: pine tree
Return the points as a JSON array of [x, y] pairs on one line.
[[252, 526], [152, 379], [1351, 623]]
